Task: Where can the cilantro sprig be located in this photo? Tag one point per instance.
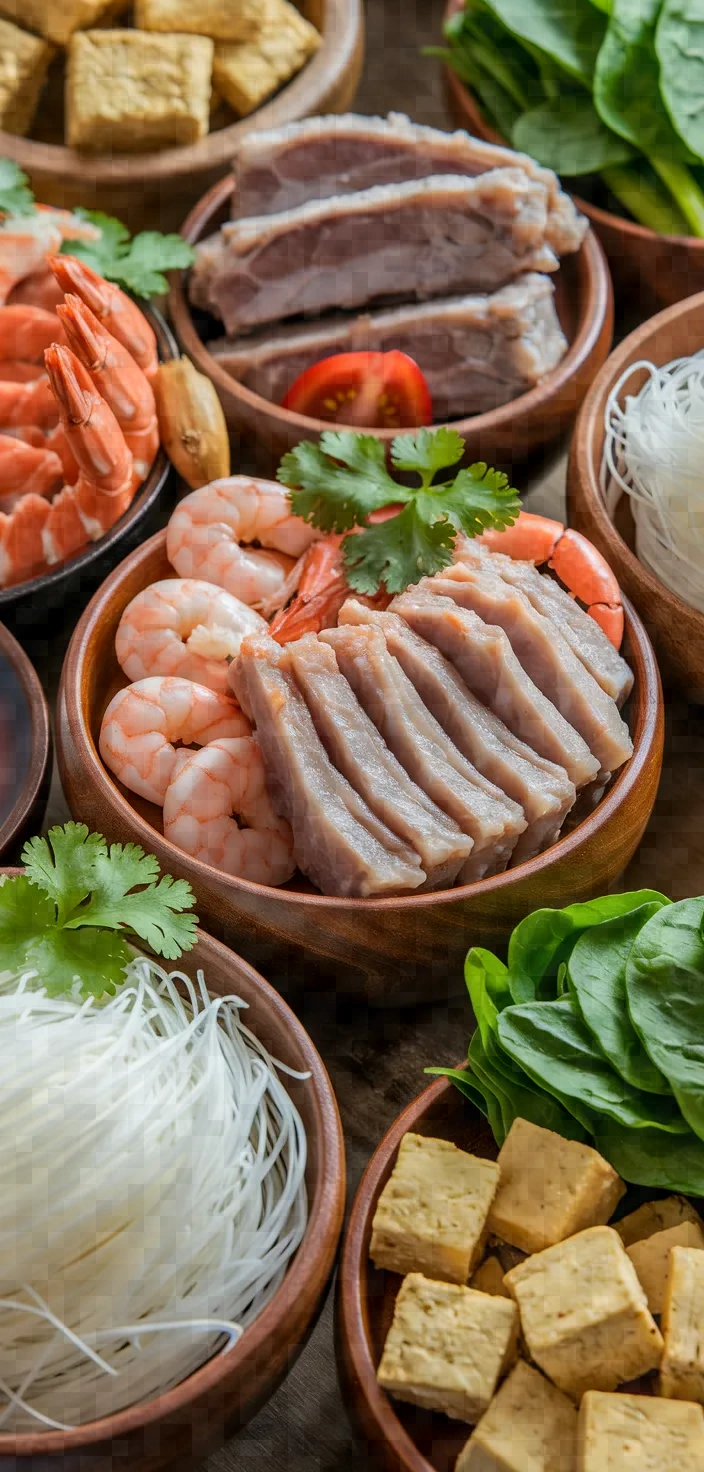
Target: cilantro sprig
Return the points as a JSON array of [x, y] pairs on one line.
[[337, 485], [16, 197], [68, 915], [137, 264]]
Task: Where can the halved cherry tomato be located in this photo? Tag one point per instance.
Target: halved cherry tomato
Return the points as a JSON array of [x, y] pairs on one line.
[[368, 390]]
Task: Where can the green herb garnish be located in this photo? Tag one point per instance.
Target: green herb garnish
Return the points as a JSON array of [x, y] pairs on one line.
[[16, 197], [136, 264], [337, 484]]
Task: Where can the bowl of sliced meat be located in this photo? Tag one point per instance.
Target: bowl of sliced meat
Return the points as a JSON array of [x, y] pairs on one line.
[[372, 272], [366, 749]]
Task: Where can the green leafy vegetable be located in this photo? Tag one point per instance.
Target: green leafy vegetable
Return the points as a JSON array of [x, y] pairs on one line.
[[670, 1162], [541, 942], [679, 43], [136, 264], [565, 30], [567, 134], [665, 987], [16, 197]]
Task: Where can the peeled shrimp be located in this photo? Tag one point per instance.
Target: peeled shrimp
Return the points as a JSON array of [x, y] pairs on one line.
[[143, 721], [27, 242], [117, 312], [26, 332], [223, 778], [208, 534], [182, 626], [118, 378]]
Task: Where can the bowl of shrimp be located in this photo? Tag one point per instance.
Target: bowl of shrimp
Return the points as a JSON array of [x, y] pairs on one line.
[[177, 674]]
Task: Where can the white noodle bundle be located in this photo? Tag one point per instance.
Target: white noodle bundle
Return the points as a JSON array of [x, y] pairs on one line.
[[151, 1192], [654, 451]]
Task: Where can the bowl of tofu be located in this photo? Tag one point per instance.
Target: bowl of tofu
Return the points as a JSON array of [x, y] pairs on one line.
[[512, 1310], [346, 233], [137, 111]]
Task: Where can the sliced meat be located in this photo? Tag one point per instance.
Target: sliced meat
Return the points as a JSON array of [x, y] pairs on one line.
[[544, 655], [483, 657], [358, 751], [583, 634], [433, 237], [543, 790], [279, 168], [338, 842], [421, 746], [476, 352]]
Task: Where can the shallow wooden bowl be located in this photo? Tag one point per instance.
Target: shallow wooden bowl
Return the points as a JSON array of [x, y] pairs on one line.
[[389, 950], [585, 307], [652, 269], [677, 631], [188, 1423], [155, 189], [25, 746]]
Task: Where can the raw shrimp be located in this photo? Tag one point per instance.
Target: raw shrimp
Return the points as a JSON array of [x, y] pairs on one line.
[[117, 312], [143, 721], [26, 332], [27, 242], [118, 378], [223, 778], [182, 626], [208, 532]]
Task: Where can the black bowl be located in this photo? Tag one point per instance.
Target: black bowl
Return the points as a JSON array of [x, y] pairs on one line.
[[25, 747]]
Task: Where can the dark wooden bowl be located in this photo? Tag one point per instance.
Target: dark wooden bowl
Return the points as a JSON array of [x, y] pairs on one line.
[[154, 189], [25, 746], [194, 1419], [677, 631], [390, 950], [654, 270], [585, 307]]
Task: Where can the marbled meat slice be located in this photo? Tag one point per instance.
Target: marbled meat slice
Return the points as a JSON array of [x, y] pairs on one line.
[[483, 657], [430, 237], [358, 751], [421, 746], [338, 842], [542, 789]]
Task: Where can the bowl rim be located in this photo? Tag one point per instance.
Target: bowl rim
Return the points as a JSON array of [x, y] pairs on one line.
[[40, 739], [342, 31], [74, 679], [596, 309], [326, 1213]]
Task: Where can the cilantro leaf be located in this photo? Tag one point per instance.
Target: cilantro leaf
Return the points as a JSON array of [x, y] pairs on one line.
[[62, 864], [136, 264], [153, 912], [16, 197], [337, 497], [477, 498], [24, 913], [398, 552], [93, 960], [428, 451]]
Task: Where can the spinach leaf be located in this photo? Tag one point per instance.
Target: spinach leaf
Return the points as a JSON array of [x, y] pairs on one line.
[[627, 80], [467, 1085], [665, 989], [568, 135], [597, 977], [546, 938], [499, 1110], [568, 31], [651, 1158], [679, 42]]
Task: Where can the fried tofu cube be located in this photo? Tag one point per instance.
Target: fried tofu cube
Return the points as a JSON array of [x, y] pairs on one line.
[[639, 1433], [57, 20], [432, 1213], [584, 1315], [132, 91], [24, 60], [246, 74], [655, 1216], [682, 1369], [550, 1188], [529, 1427], [651, 1259], [222, 20], [448, 1347], [489, 1278]]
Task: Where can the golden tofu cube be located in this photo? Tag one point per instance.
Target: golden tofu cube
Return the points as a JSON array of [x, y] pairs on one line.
[[132, 91], [584, 1315], [655, 1216], [58, 19], [682, 1369], [246, 74], [23, 66], [489, 1278], [529, 1427], [651, 1259], [447, 1347], [639, 1433], [550, 1188], [222, 20], [432, 1213]]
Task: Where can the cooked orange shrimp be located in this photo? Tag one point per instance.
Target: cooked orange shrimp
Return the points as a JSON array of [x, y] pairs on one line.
[[226, 778], [38, 290], [118, 378], [26, 333], [12, 370], [25, 470], [117, 312], [32, 404], [209, 532], [144, 721], [182, 626]]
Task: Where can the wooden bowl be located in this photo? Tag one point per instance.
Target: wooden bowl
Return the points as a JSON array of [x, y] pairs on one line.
[[155, 189], [652, 269], [191, 1421], [584, 301], [389, 950], [677, 631], [25, 746]]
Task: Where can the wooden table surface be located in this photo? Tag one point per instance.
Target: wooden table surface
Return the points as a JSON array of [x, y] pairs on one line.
[[376, 1059]]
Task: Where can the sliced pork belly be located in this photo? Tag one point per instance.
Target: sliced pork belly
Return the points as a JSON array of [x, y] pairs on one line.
[[421, 746], [476, 352], [279, 168], [483, 657], [338, 842], [583, 634], [431, 237], [544, 655], [359, 752], [543, 790]]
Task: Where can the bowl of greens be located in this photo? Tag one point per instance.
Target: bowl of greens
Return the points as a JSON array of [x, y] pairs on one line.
[[607, 95]]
